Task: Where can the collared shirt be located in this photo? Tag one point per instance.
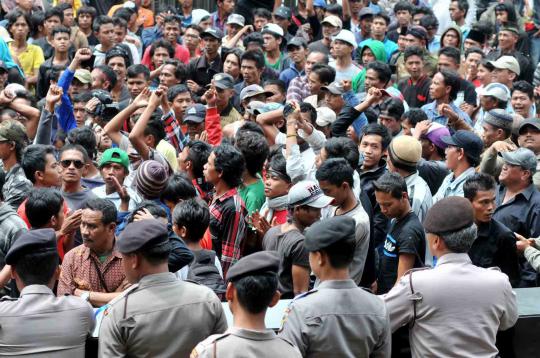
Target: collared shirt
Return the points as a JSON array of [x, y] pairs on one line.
[[40, 324], [452, 186], [217, 22], [16, 187], [290, 73], [202, 72], [80, 270], [416, 94], [520, 214], [420, 195], [433, 113], [228, 227], [298, 89]]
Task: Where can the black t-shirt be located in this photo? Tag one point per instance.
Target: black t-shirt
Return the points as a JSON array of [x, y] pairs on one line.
[[406, 236], [416, 95]]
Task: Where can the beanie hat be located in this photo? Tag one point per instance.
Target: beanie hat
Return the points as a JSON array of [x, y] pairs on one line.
[[405, 151], [151, 178]]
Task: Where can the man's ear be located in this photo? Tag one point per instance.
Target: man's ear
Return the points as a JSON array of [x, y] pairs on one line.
[[229, 293], [275, 299]]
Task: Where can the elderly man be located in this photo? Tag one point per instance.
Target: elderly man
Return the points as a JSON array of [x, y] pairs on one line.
[[426, 300]]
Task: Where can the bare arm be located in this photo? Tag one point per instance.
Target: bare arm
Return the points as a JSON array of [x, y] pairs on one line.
[[232, 42], [114, 126], [5, 275], [300, 279], [31, 113], [277, 3], [346, 9], [406, 262], [309, 7], [136, 137]]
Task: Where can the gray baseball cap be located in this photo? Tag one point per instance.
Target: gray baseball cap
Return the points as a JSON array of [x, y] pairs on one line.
[[223, 81], [308, 193], [523, 157], [334, 88], [236, 19], [253, 90]]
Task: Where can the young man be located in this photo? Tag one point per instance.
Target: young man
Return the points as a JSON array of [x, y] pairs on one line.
[[450, 59], [171, 33], [254, 148], [390, 116], [297, 50], [458, 12], [335, 176], [192, 39], [299, 87], [343, 45], [53, 18], [227, 225], [85, 18], [118, 60], [219, 17], [495, 244], [73, 159], [305, 201], [405, 244], [252, 289], [496, 136], [523, 99], [273, 56], [331, 25], [379, 27], [225, 98], [252, 66], [337, 300], [103, 27], [202, 69], [415, 89]]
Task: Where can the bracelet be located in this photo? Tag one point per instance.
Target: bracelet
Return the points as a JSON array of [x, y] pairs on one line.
[[291, 135]]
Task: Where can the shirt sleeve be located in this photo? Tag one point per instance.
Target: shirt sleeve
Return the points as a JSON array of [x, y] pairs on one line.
[[212, 124], [398, 303], [295, 165], [174, 131], [298, 253], [409, 241], [110, 337], [234, 231], [510, 315], [66, 284], [44, 130]]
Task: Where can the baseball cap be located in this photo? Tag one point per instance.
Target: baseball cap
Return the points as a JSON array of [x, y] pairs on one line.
[[236, 19], [332, 20], [334, 88], [510, 29], [308, 193], [497, 90], [319, 3], [435, 134], [523, 157], [195, 113], [198, 15], [253, 90], [346, 36], [297, 42], [83, 76], [114, 155], [325, 116], [12, 130], [471, 144], [223, 81], [283, 12], [258, 107], [533, 122], [366, 11], [211, 32], [507, 63], [272, 29], [499, 118]]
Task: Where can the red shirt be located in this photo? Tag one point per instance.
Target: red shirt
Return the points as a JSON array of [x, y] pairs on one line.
[[180, 53]]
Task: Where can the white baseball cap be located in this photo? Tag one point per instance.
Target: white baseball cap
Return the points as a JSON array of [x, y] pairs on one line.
[[333, 20], [325, 116], [308, 193], [346, 36], [497, 90], [273, 29], [507, 63]]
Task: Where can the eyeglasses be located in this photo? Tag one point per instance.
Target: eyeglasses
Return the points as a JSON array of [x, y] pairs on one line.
[[67, 163]]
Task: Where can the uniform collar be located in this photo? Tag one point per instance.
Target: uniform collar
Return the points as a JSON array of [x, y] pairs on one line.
[[337, 284], [36, 290], [265, 335], [157, 278], [453, 258]]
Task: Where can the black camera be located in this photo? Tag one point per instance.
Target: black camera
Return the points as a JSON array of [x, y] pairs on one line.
[[105, 109]]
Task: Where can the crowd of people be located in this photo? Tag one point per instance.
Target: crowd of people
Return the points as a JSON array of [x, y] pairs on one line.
[[375, 162]]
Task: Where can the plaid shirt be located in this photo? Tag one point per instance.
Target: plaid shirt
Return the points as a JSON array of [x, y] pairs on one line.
[[298, 89], [228, 227], [174, 131], [16, 188]]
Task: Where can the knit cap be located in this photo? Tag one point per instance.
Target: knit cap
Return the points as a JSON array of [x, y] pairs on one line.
[[151, 179]]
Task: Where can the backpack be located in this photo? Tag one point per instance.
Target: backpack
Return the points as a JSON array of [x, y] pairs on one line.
[[203, 271]]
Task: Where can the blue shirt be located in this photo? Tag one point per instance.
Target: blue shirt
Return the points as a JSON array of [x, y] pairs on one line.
[[433, 114], [435, 45], [5, 56], [64, 112], [289, 74]]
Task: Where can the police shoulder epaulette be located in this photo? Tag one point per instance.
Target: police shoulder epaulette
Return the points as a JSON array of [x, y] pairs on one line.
[[125, 293], [8, 298], [417, 269], [305, 294]]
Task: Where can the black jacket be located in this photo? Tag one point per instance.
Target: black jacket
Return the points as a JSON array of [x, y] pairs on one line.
[[180, 255]]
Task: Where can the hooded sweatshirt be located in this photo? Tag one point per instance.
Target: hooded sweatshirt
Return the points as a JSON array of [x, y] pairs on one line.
[[377, 47], [460, 35]]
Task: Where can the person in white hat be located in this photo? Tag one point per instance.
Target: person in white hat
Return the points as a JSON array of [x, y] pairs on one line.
[[495, 95], [343, 45], [331, 25], [274, 58], [506, 71]]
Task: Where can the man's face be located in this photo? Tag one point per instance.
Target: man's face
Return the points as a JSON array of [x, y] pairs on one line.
[[99, 80], [211, 45], [393, 125], [113, 170], [232, 29], [472, 61], [314, 83], [521, 103], [51, 23], [402, 42], [85, 21], [379, 27], [403, 17], [192, 39], [275, 186], [390, 206], [372, 80], [118, 65], [484, 75], [490, 135], [529, 137], [503, 76], [339, 193], [501, 17], [297, 54], [69, 18], [488, 103], [227, 6], [507, 40], [367, 56], [468, 43], [411, 40], [313, 58], [250, 72], [194, 129], [307, 215], [79, 113], [183, 160], [181, 102], [366, 25], [277, 96], [119, 34], [20, 28], [512, 174], [259, 23], [342, 49], [105, 35], [483, 205], [171, 31], [61, 42], [417, 17], [270, 43], [371, 148], [161, 54], [72, 166], [455, 13], [415, 66], [447, 63], [167, 76], [453, 154], [211, 175], [328, 31], [333, 101], [136, 84], [450, 39], [51, 174], [438, 89], [223, 97], [95, 234]]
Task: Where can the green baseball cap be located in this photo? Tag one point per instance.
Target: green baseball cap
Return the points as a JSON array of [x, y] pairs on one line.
[[114, 155]]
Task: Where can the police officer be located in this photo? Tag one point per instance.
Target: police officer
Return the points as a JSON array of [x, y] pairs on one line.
[[456, 308], [159, 316], [337, 319], [38, 322], [251, 290]]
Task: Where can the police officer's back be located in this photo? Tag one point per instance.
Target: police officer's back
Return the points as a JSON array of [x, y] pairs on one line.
[[160, 316], [456, 308], [336, 319], [39, 323], [252, 288]]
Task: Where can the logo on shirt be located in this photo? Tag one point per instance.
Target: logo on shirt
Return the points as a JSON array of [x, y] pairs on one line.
[[389, 246]]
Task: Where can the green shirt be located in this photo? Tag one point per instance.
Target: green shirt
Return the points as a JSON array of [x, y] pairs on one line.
[[253, 195], [276, 66]]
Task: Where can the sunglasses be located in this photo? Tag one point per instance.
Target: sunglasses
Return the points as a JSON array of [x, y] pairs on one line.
[[67, 163]]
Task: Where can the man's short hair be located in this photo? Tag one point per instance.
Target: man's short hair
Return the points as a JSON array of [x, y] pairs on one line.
[[230, 162], [452, 53], [42, 204], [336, 171], [384, 72], [342, 147], [100, 21], [525, 87], [326, 73], [178, 187], [478, 182], [391, 183], [164, 44], [413, 51], [380, 130], [255, 56], [135, 70], [254, 148], [194, 215], [105, 207], [34, 159], [452, 79]]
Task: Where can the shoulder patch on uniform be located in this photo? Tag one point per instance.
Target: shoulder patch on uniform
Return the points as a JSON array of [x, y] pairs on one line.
[[416, 269], [124, 293], [8, 298], [207, 344]]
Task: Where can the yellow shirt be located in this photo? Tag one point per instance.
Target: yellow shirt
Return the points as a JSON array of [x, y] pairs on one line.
[[76, 5], [168, 151], [30, 59]]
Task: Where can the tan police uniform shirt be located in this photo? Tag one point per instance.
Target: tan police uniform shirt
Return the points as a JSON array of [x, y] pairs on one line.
[[338, 319], [40, 324], [459, 308], [160, 317], [245, 343]]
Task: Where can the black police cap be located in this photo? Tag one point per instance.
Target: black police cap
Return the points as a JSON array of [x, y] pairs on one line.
[[262, 262], [144, 233], [329, 231], [32, 242]]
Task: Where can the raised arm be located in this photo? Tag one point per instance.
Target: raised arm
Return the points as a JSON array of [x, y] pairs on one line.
[[114, 126], [136, 137]]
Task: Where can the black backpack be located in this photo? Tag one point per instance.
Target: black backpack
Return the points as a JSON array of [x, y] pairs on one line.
[[203, 271]]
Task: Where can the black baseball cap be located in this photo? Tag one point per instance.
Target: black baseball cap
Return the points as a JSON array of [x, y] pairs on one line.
[[467, 140]]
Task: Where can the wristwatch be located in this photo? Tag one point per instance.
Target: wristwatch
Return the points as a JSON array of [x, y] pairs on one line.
[[85, 295]]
